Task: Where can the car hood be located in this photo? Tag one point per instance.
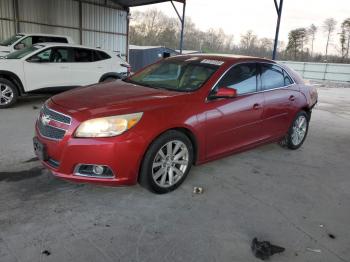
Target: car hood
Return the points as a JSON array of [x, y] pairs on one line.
[[118, 96], [4, 50]]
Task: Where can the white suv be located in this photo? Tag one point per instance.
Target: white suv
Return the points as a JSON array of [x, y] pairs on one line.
[[21, 41], [56, 67]]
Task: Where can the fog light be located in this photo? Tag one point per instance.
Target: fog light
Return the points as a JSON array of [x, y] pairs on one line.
[[93, 171], [98, 170]]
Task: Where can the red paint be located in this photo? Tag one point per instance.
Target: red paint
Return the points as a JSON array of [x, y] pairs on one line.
[[220, 127]]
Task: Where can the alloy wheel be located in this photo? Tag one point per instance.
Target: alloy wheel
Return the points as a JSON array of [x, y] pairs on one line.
[[170, 164], [6, 94], [299, 130]]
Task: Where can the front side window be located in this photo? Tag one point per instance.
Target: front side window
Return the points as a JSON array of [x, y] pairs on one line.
[[175, 75], [272, 76], [26, 42], [242, 77], [55, 55]]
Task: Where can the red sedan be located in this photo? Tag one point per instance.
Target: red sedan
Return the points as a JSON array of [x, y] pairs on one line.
[[185, 110]]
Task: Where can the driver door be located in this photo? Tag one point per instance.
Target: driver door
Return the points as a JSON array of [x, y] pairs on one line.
[[233, 123], [49, 69]]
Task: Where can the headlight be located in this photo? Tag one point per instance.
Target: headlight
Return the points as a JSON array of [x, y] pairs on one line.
[[107, 126]]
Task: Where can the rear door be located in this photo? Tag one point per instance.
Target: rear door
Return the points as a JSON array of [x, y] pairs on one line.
[[233, 123], [279, 98], [89, 65]]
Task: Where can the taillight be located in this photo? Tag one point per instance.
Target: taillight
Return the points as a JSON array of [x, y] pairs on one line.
[[128, 67]]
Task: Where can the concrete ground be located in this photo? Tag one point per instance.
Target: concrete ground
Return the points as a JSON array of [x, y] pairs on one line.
[[297, 199]]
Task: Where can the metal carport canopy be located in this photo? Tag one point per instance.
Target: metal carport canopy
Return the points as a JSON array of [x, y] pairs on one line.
[[131, 3]]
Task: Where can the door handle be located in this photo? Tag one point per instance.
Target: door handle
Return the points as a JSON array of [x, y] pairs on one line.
[[292, 98], [256, 106], [64, 67]]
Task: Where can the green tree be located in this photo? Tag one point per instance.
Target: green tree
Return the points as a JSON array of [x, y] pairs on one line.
[[296, 41], [345, 38]]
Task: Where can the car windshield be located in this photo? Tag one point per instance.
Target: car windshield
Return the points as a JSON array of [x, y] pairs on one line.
[[178, 75], [23, 52], [11, 40]]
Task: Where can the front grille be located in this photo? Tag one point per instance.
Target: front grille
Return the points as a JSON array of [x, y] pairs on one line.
[[56, 116], [50, 131], [45, 126]]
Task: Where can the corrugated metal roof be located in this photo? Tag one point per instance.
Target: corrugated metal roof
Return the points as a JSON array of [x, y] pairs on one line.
[[131, 3]]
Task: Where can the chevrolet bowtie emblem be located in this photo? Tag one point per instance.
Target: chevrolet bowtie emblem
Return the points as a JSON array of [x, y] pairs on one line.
[[45, 120]]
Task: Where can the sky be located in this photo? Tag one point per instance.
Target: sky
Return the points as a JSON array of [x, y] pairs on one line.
[[237, 16]]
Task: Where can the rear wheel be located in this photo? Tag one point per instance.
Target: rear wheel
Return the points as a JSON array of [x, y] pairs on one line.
[[167, 162], [8, 93], [297, 132], [109, 79]]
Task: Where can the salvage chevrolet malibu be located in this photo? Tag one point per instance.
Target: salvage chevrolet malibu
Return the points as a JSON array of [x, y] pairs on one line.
[[153, 126]]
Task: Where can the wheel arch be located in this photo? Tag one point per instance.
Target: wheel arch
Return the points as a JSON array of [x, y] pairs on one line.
[[110, 74], [10, 76], [186, 131], [308, 111]]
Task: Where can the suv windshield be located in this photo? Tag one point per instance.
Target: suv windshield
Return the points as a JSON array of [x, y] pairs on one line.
[[11, 40], [177, 75], [23, 52]]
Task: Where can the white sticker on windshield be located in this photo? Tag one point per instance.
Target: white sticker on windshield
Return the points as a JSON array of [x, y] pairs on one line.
[[212, 62], [192, 59]]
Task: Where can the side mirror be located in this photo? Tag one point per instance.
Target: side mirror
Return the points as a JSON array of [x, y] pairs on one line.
[[225, 92], [19, 46], [34, 60]]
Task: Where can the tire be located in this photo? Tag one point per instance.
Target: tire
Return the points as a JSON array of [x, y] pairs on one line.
[[109, 79], [162, 172], [297, 132], [8, 93]]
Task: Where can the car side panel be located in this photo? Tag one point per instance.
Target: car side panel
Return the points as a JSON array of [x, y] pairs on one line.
[[277, 111], [233, 123], [14, 67]]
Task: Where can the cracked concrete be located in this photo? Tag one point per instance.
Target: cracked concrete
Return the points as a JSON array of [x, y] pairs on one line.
[[294, 199]]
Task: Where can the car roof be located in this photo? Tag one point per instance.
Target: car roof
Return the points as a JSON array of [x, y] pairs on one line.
[[53, 44], [40, 34], [227, 57]]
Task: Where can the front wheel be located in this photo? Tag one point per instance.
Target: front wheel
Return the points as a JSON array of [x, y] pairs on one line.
[[8, 93], [297, 132], [167, 162]]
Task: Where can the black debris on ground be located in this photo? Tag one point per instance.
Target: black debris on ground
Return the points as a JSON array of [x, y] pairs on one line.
[[331, 236], [264, 249], [35, 107], [46, 252]]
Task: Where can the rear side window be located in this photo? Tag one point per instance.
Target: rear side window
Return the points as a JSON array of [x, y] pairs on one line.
[[272, 76], [82, 55], [99, 55], [242, 77], [287, 80]]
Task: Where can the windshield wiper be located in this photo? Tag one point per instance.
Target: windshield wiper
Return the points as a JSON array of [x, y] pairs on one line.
[[128, 80]]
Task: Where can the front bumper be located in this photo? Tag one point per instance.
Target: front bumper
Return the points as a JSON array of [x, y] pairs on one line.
[[120, 157], [122, 154]]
